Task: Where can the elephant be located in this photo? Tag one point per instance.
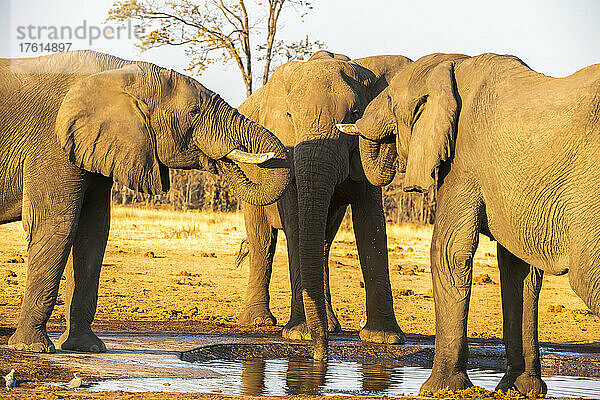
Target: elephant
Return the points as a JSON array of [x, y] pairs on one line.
[[73, 122], [301, 103], [515, 153]]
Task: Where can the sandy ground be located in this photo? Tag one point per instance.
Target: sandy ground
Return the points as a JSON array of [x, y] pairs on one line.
[[175, 271]]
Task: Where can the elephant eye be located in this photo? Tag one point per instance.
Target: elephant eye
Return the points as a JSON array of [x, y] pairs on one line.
[[195, 110]]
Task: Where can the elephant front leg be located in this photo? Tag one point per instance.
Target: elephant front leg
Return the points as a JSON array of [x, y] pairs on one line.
[[83, 278], [50, 241], [371, 239], [454, 242], [262, 240], [521, 285]]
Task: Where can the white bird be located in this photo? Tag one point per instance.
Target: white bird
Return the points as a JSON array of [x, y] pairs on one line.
[[75, 382], [10, 380]]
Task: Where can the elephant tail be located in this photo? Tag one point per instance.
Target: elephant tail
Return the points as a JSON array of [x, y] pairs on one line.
[[242, 253]]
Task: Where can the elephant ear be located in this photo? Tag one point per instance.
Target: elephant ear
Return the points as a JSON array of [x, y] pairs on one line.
[[432, 138], [105, 129]]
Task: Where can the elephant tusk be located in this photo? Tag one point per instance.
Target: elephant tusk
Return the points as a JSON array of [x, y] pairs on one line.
[[249, 158], [348, 129]]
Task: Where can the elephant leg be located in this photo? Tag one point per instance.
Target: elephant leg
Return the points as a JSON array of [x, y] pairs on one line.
[[50, 228], [334, 220], [82, 280], [584, 278], [262, 240], [521, 285], [369, 228], [454, 242], [295, 328]]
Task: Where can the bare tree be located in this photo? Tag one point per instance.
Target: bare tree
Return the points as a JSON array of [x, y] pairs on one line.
[[219, 31]]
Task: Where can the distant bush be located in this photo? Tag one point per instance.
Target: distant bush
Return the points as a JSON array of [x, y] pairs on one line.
[[197, 190]]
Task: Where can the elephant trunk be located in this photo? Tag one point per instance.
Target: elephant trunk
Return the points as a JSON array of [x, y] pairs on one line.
[[378, 152], [257, 184], [315, 180], [378, 161]]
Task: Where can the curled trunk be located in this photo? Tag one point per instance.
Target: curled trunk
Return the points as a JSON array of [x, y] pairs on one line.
[[257, 184], [378, 161]]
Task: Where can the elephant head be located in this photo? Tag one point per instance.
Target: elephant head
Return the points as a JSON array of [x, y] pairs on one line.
[[302, 103], [136, 120], [410, 126]]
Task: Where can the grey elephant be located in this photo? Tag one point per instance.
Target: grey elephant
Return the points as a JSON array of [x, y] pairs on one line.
[[516, 154], [301, 103], [72, 123]]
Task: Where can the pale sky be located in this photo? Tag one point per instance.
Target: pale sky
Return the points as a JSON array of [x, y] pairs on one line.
[[555, 37]]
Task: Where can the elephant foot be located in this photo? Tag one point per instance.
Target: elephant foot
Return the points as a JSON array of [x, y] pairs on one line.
[[439, 381], [527, 382], [86, 342], [296, 331], [31, 339], [257, 315], [384, 333]]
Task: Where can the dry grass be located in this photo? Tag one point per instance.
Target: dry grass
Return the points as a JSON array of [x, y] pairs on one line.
[[166, 265]]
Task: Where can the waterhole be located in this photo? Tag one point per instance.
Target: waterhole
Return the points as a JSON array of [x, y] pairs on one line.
[[278, 377]]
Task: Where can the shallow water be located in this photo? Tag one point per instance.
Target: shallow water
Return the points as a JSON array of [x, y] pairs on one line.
[[279, 377]]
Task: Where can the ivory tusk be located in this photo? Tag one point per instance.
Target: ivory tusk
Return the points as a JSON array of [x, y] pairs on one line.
[[249, 158], [348, 129]]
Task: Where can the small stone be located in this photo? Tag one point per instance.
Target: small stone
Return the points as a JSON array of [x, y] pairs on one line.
[[209, 255], [556, 309], [15, 260], [150, 254], [483, 279], [403, 292], [429, 293], [361, 284], [10, 274]]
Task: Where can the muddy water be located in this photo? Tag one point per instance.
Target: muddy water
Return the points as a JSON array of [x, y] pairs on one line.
[[279, 377]]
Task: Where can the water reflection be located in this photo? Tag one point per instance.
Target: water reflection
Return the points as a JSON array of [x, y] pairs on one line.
[[305, 377], [277, 377], [253, 376], [378, 377], [294, 377]]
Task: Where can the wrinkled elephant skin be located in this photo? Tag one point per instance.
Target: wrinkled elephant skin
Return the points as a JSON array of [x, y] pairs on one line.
[[301, 104], [70, 124], [516, 154]]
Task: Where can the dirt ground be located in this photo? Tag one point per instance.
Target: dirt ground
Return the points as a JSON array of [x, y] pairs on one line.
[[168, 271]]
